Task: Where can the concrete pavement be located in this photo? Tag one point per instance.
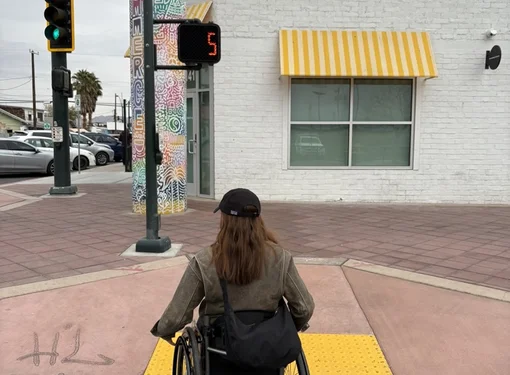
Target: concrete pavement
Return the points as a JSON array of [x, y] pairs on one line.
[[44, 238], [102, 326], [66, 291]]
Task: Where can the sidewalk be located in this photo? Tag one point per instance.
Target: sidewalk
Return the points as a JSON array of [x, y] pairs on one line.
[[101, 325], [71, 304], [49, 238]]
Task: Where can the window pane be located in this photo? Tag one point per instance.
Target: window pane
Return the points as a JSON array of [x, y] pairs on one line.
[[20, 146], [383, 99], [381, 145], [205, 144], [204, 77], [319, 145], [83, 140], [320, 100], [47, 143]]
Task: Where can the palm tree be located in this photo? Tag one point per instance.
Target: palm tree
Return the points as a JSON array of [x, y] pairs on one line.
[[89, 87]]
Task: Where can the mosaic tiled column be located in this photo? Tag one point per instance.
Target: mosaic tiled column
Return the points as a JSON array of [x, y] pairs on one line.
[[170, 110]]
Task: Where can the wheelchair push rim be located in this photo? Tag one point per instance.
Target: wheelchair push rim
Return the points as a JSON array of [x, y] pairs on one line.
[[187, 358]]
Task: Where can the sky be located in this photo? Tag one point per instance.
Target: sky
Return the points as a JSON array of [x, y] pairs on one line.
[[102, 37]]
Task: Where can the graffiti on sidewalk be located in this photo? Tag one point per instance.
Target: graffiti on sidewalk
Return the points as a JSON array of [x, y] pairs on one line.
[[36, 355]]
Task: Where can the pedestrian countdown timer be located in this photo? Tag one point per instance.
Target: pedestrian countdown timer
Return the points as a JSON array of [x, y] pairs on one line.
[[199, 43]]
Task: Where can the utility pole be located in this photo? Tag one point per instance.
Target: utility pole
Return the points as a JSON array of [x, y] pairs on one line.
[[126, 156], [34, 109], [129, 113], [115, 113]]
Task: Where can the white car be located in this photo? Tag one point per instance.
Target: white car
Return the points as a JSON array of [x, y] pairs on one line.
[[46, 144], [103, 153]]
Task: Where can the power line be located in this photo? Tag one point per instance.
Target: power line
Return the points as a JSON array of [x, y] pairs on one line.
[[15, 87], [14, 78]]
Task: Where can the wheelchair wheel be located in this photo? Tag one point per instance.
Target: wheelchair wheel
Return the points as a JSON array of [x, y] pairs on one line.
[[187, 359], [299, 367]]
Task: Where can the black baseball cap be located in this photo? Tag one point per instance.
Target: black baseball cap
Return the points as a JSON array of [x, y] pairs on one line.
[[236, 201]]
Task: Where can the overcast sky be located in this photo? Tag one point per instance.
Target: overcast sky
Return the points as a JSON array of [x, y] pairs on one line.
[[102, 37]]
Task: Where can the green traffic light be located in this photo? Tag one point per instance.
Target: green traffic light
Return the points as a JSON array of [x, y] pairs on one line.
[[56, 34]]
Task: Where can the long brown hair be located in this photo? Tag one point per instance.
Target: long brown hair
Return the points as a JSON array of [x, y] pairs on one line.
[[240, 248]]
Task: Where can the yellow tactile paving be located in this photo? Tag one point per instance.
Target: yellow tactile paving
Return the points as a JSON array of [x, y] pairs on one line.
[[325, 353]]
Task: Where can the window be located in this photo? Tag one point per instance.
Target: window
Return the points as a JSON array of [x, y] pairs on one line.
[[94, 137], [41, 142], [107, 139], [40, 116], [47, 143], [351, 122], [34, 142], [42, 134], [82, 140], [20, 146], [3, 145]]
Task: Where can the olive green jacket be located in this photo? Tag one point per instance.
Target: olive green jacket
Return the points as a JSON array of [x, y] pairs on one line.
[[200, 286]]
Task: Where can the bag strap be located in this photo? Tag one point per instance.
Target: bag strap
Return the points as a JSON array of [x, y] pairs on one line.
[[226, 303]]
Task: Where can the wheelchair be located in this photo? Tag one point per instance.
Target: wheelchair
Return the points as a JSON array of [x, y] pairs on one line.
[[198, 350]]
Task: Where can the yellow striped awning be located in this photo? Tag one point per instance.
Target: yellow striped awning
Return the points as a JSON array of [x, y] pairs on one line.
[[193, 11], [327, 53]]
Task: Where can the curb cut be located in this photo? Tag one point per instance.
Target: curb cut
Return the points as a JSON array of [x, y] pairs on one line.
[[457, 286]]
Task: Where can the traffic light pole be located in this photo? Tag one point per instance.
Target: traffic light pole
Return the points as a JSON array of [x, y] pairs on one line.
[[152, 243], [61, 149]]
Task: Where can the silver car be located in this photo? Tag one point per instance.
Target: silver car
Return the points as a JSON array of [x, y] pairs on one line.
[[103, 153], [20, 157]]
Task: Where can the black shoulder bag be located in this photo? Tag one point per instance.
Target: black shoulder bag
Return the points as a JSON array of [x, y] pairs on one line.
[[270, 344]]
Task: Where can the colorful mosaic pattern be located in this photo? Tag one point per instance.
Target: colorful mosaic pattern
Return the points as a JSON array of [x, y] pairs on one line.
[[170, 110]]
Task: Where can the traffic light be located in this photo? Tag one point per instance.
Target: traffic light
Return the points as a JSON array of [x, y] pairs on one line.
[[59, 15], [199, 43]]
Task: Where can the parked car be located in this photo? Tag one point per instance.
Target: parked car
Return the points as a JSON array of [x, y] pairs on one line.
[[87, 158], [106, 139], [19, 157], [103, 153]]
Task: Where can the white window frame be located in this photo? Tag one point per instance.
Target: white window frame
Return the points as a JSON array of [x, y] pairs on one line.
[[413, 123]]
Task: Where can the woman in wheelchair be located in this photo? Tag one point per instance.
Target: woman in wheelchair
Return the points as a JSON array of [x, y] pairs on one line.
[[238, 283]]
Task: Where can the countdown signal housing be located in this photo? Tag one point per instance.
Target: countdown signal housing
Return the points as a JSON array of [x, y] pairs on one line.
[[199, 43], [59, 32]]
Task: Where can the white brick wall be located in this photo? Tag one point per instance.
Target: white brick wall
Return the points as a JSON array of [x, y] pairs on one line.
[[463, 140]]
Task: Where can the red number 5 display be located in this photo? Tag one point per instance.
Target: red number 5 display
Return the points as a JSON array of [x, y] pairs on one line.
[[213, 45]]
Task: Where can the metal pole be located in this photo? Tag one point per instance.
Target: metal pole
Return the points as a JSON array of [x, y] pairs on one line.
[[129, 113], [125, 140], [79, 143], [34, 109], [115, 113], [61, 150], [152, 243]]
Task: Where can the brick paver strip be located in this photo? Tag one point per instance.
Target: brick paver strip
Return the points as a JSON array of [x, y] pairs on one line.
[[53, 238]]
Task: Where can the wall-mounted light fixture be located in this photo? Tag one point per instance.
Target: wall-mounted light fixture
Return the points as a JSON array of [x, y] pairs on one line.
[[493, 58]]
